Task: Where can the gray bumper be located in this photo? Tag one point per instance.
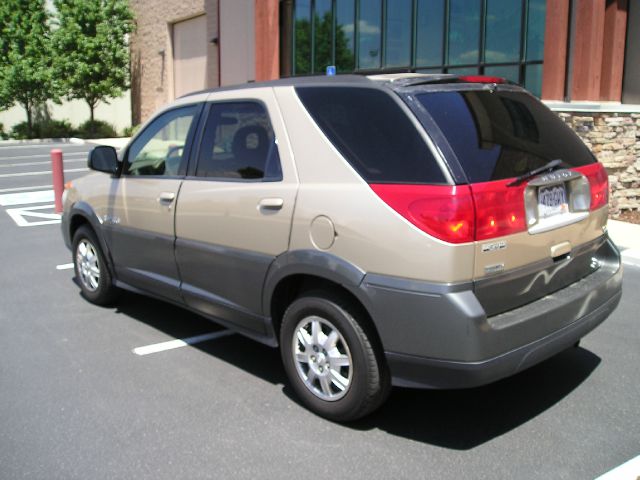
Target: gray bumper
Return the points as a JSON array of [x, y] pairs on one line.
[[440, 337]]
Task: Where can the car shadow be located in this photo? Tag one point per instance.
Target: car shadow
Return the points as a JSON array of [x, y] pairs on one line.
[[454, 419]]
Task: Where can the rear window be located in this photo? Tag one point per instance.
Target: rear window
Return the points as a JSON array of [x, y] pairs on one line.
[[372, 133], [499, 135]]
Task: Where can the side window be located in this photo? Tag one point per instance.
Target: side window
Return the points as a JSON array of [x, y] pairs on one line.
[[159, 150], [239, 143]]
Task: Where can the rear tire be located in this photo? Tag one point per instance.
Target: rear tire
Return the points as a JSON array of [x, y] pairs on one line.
[[330, 357], [91, 268]]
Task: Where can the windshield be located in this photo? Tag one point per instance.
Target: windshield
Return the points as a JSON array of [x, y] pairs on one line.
[[503, 134]]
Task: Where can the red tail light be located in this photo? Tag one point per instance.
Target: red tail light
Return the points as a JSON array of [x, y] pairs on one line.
[[481, 79], [446, 212], [499, 209], [599, 183], [459, 214]]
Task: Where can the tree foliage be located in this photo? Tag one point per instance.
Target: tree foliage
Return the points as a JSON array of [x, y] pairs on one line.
[[26, 73], [92, 48]]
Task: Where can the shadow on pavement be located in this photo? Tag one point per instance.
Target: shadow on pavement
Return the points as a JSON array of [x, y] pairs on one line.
[[455, 419]]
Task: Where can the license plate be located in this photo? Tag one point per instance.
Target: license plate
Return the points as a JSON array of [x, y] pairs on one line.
[[552, 201]]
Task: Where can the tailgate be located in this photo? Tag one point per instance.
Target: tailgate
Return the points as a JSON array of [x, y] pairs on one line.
[[535, 233]]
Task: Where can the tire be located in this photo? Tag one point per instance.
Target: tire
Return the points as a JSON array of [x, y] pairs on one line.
[[91, 268], [331, 359]]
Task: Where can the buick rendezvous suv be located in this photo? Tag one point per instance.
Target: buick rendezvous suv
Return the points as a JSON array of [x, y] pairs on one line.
[[430, 231]]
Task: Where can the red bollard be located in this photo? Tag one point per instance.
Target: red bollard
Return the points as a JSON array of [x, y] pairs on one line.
[[58, 177]]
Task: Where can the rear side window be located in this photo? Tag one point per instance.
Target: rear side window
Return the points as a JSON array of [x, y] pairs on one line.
[[239, 143], [500, 135], [372, 133]]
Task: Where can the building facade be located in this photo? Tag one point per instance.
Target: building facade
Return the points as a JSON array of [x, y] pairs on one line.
[[582, 57]]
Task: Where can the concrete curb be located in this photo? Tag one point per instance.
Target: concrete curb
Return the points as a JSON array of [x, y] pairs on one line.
[[37, 141], [627, 238], [117, 143]]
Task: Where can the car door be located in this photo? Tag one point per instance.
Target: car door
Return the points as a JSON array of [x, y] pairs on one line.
[[235, 209], [140, 223]]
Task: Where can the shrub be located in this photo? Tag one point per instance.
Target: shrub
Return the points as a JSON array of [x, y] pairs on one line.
[[130, 131], [96, 129], [44, 129], [3, 136]]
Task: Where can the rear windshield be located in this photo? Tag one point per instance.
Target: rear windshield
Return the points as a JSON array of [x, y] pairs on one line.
[[372, 133], [499, 135]]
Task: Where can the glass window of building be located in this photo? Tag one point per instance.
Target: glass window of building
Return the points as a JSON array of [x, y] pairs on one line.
[[488, 37]]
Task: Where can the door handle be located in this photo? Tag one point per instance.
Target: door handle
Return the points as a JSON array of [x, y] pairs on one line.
[[271, 203], [166, 198]]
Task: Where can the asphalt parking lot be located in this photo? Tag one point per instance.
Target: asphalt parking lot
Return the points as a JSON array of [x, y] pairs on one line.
[[80, 396]]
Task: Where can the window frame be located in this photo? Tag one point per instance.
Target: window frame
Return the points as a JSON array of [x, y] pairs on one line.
[[188, 143], [192, 167]]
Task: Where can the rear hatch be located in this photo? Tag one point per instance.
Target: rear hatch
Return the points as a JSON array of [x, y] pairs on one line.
[[539, 195]]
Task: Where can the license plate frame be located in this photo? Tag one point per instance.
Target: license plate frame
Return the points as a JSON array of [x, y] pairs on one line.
[[552, 201]]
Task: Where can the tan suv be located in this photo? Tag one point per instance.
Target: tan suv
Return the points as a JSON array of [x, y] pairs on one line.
[[433, 231]]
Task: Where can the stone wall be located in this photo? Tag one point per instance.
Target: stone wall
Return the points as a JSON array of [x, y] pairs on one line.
[[615, 140]]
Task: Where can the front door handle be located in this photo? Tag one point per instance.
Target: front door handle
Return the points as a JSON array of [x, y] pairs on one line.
[[166, 198], [271, 203]]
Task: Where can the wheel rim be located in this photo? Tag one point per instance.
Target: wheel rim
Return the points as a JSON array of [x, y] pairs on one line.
[[87, 265], [322, 358]]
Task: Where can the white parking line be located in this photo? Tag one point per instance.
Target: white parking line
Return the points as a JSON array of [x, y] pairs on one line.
[[32, 164], [171, 344], [45, 155], [24, 189], [47, 172], [20, 215], [627, 471], [64, 266], [23, 198]]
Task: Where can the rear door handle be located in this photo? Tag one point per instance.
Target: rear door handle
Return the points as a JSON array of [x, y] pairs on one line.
[[271, 203], [166, 198]]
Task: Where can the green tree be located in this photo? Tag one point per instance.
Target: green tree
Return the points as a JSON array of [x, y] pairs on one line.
[[26, 75], [91, 43]]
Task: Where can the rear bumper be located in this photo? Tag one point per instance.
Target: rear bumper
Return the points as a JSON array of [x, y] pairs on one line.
[[440, 336], [420, 372]]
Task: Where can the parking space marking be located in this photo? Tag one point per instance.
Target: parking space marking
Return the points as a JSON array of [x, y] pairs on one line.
[[20, 215], [44, 155], [24, 189], [171, 344], [627, 471], [64, 266], [46, 172], [24, 198], [31, 164]]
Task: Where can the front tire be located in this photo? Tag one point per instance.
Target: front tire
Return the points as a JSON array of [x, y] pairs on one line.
[[91, 268], [330, 357]]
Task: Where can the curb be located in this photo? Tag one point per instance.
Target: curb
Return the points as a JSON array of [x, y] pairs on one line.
[[118, 143], [37, 141], [626, 236]]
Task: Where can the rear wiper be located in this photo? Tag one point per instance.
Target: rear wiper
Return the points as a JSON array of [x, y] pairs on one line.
[[552, 165]]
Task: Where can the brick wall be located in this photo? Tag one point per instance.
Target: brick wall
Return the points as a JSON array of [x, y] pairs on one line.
[[152, 71], [615, 140]]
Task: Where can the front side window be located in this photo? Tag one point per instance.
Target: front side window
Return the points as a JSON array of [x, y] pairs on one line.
[[160, 147], [239, 143]]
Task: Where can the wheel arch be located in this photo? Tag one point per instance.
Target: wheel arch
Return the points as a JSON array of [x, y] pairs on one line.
[[82, 214], [294, 273]]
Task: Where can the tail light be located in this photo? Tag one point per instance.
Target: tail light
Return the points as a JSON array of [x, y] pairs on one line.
[[445, 212], [598, 182], [499, 209], [480, 211], [481, 79], [461, 213]]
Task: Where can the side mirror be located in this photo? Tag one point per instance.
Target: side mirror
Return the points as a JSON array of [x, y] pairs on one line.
[[103, 158]]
